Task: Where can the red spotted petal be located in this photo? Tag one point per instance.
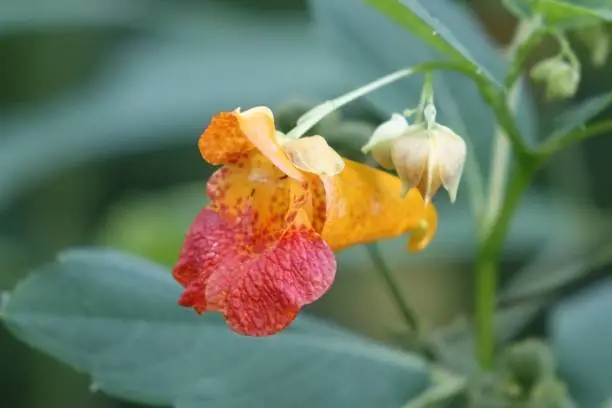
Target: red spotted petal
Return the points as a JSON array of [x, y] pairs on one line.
[[270, 290], [258, 189], [231, 136], [316, 204], [259, 292], [207, 242]]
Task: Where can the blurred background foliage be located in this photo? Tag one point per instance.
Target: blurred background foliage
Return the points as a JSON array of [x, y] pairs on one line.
[[102, 102]]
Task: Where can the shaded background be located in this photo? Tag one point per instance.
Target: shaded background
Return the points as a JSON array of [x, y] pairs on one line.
[[102, 102]]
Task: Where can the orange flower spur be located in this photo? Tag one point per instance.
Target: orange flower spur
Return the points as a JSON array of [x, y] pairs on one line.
[[263, 247]]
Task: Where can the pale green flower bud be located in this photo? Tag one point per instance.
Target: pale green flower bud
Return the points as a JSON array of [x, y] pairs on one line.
[[551, 393], [428, 159], [425, 158], [382, 139], [527, 363], [560, 77]]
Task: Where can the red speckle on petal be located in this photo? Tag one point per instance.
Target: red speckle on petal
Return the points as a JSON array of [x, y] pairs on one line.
[[223, 141], [209, 241], [268, 292], [258, 288], [318, 203], [255, 191]]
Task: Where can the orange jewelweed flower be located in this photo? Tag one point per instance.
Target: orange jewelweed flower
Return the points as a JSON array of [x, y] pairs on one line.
[[278, 209]]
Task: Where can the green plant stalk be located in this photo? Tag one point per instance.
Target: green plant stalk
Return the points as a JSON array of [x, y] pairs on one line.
[[523, 41], [560, 142], [493, 226], [487, 263], [526, 36], [499, 169], [529, 34], [490, 91], [565, 48], [426, 97], [408, 315], [314, 115]]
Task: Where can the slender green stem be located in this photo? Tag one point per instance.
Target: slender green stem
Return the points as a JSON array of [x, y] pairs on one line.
[[523, 41], [565, 48], [426, 97], [592, 265], [500, 164], [393, 286], [491, 92], [313, 116], [496, 98], [528, 35], [502, 204], [486, 288], [487, 263], [559, 142]]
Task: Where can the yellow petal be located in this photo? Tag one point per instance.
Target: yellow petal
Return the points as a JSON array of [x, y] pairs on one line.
[[256, 188], [223, 141], [316, 206], [364, 205], [258, 125], [314, 155], [425, 231], [231, 136]]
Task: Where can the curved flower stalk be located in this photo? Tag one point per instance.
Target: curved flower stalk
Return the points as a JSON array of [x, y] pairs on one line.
[[278, 209]]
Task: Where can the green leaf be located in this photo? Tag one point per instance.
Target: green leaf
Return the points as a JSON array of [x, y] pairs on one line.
[[580, 114], [581, 336], [561, 13], [565, 14], [415, 17], [115, 317]]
